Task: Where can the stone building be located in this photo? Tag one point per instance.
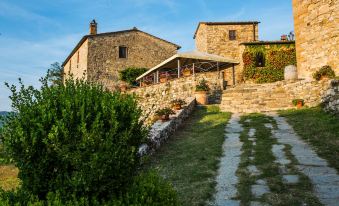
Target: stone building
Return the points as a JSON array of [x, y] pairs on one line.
[[224, 39], [317, 35], [100, 56]]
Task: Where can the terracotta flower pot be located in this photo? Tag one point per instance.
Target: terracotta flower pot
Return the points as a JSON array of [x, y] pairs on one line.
[[201, 97], [299, 104], [177, 107], [163, 79], [164, 118], [186, 73]]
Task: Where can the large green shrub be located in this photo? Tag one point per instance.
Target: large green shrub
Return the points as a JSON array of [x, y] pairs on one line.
[[75, 138], [147, 189], [129, 75], [276, 59]]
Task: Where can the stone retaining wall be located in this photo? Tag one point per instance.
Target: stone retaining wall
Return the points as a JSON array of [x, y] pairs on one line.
[[273, 96], [331, 99], [160, 131], [157, 96]]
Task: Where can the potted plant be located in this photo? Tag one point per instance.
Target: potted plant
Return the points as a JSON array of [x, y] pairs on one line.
[[123, 86], [201, 91], [186, 72], [164, 113], [298, 102], [177, 104], [163, 78], [324, 72]]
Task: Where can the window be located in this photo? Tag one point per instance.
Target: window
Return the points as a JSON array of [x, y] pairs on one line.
[[122, 52], [232, 35], [259, 60]]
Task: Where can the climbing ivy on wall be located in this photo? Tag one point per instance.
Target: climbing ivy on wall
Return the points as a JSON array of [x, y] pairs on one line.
[[276, 58]]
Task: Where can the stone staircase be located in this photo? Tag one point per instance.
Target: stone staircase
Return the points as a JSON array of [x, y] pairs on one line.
[[248, 98]]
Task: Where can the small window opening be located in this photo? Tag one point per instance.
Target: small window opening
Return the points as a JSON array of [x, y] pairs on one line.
[[232, 35], [122, 52], [259, 60]]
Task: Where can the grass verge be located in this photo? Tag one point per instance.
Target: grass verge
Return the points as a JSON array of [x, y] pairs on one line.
[[318, 128], [189, 159]]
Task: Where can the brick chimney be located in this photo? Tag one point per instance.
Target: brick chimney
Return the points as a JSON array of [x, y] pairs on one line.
[[93, 27], [283, 37]]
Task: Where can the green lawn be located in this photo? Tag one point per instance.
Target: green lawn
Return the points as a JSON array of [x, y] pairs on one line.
[[319, 128], [189, 159]]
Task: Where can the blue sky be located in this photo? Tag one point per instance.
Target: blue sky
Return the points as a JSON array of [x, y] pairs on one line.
[[36, 33]]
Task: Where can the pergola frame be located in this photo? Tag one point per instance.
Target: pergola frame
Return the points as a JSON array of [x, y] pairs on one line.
[[195, 62]]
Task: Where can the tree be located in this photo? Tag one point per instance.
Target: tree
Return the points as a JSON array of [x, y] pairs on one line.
[[55, 74]]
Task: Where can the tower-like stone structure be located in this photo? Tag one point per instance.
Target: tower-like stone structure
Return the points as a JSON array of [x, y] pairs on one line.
[[224, 39], [317, 35]]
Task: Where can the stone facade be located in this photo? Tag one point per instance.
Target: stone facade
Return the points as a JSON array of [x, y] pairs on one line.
[[317, 35], [331, 99], [250, 98], [213, 38], [154, 97], [96, 57]]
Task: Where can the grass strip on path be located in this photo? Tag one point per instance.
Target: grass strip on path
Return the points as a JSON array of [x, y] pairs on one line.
[[189, 159], [318, 128], [264, 159]]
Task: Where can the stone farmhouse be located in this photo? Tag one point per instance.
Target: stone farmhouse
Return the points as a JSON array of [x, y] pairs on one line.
[[228, 55], [100, 56]]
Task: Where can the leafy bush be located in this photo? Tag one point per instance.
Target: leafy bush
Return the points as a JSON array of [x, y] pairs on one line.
[[164, 111], [202, 86], [146, 189], [178, 102], [276, 59], [129, 75], [75, 138], [325, 71]]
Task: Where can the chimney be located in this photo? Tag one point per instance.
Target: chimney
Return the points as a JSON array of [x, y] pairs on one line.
[[284, 37], [93, 27]]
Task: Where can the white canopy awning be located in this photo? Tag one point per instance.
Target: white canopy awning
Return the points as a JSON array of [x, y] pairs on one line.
[[189, 57]]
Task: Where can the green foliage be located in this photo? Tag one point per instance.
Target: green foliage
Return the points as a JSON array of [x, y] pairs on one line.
[[295, 101], [178, 102], [276, 59], [325, 71], [202, 86], [164, 111], [55, 74], [129, 75], [75, 138], [146, 189]]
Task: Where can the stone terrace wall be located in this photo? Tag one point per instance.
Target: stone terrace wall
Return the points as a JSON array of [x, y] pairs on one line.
[[331, 99], [273, 96], [154, 97], [317, 35]]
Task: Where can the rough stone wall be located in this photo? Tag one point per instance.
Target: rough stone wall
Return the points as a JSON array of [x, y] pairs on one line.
[[214, 39], [249, 98], [317, 35], [157, 96], [144, 51], [331, 99], [77, 64]]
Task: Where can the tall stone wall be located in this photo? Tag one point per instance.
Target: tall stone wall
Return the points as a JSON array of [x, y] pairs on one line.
[[77, 64], [317, 35], [144, 51], [157, 96], [214, 39]]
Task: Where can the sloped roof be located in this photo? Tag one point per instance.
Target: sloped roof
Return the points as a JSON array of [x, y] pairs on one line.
[[84, 38], [225, 23], [194, 55]]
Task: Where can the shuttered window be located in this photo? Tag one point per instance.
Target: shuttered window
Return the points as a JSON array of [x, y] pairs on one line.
[[232, 35]]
